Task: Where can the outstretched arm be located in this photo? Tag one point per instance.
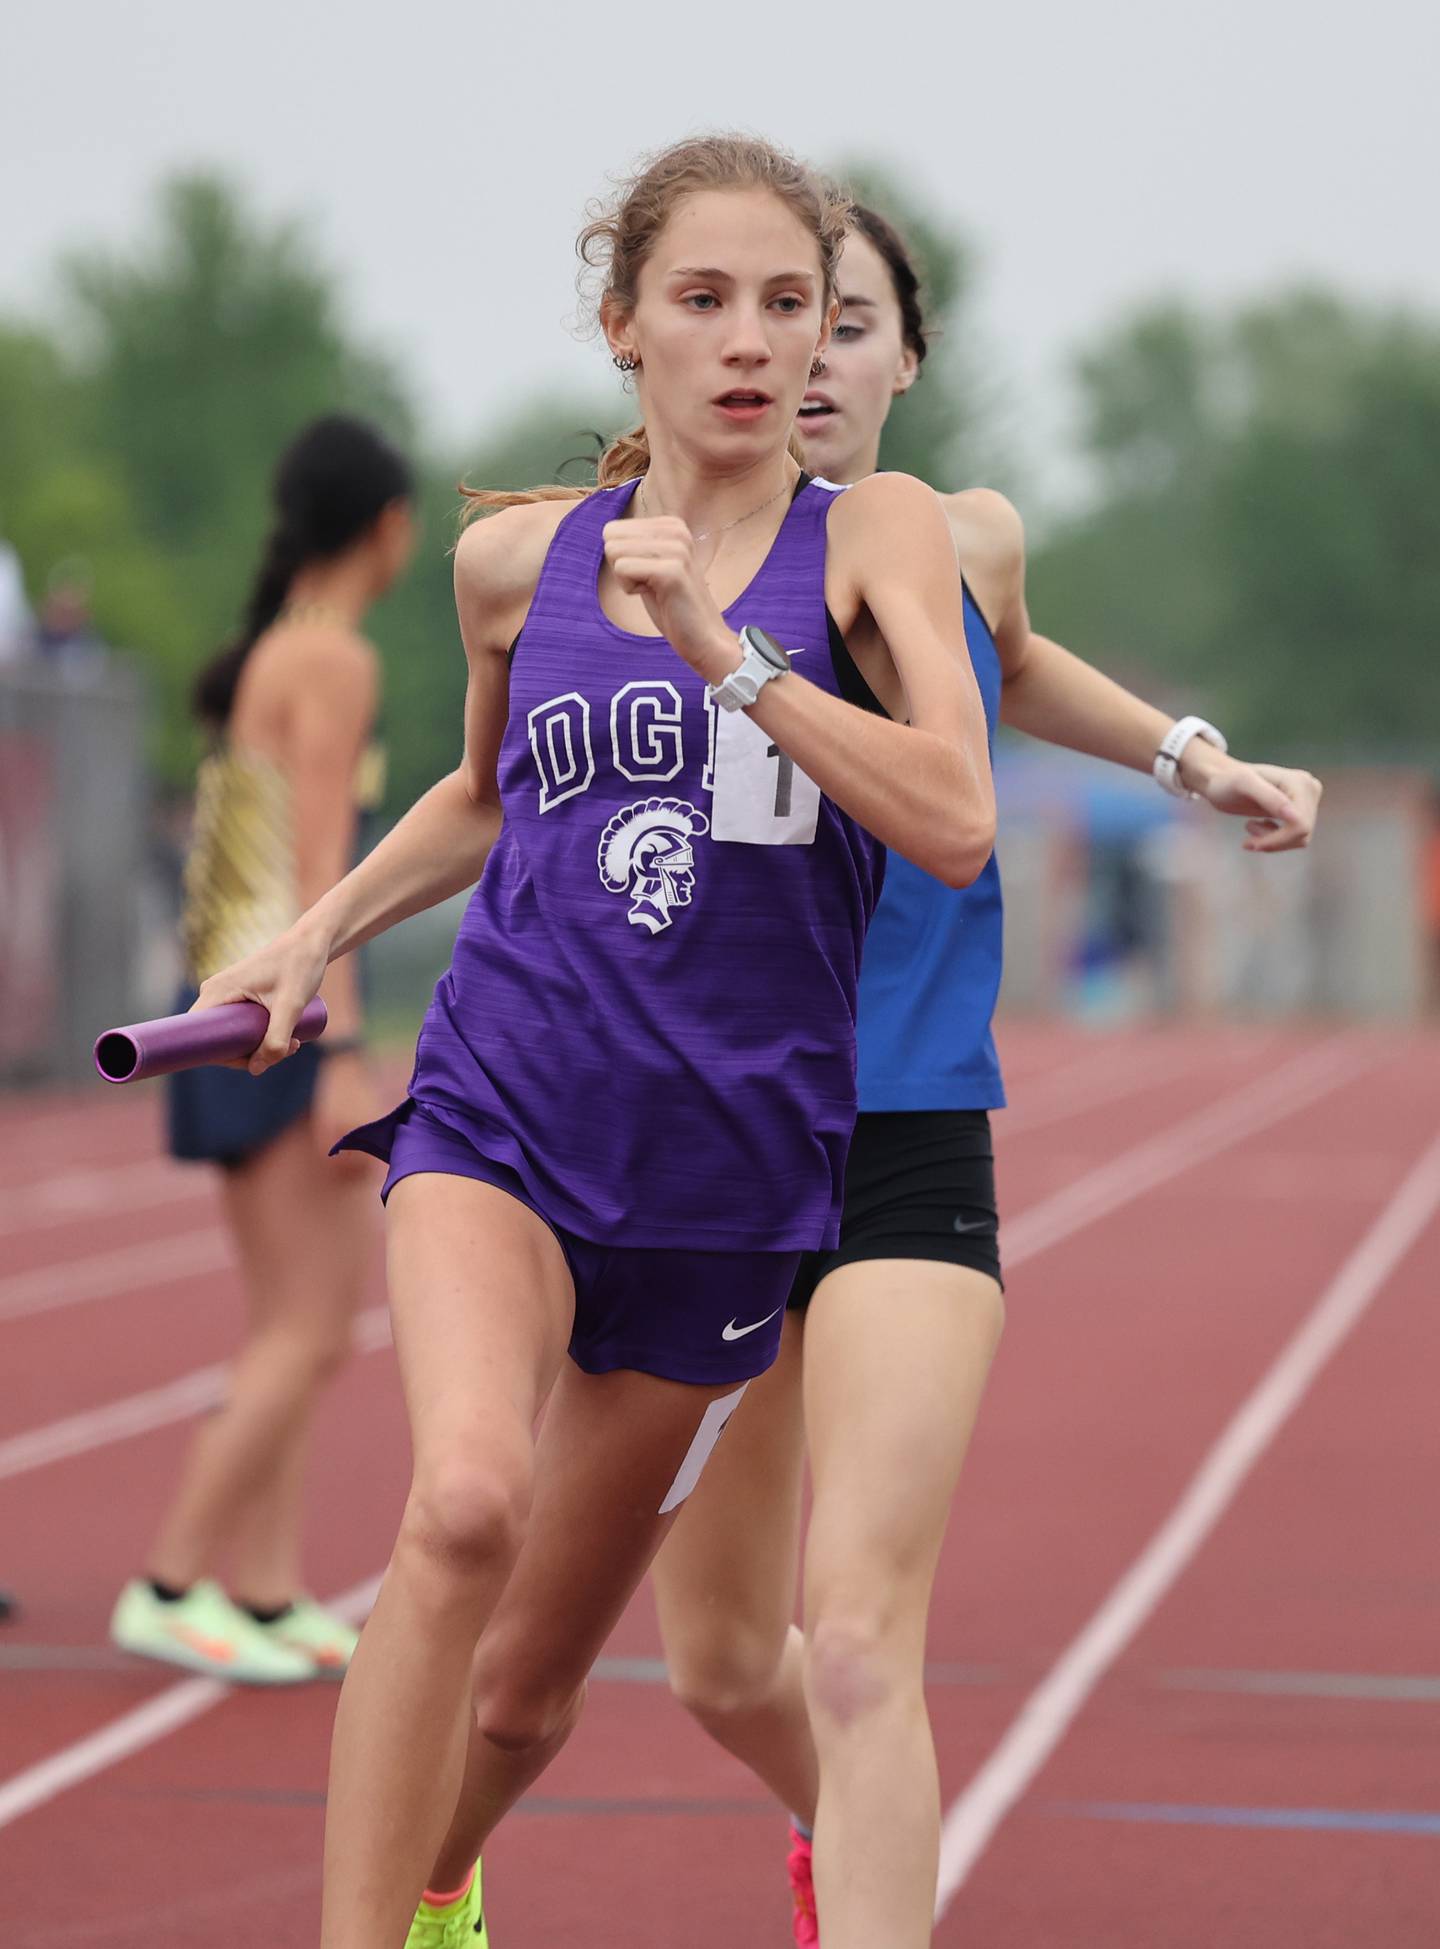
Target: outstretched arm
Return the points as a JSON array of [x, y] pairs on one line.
[[1056, 696]]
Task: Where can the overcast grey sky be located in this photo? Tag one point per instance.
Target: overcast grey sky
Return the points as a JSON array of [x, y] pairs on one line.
[[1097, 154]]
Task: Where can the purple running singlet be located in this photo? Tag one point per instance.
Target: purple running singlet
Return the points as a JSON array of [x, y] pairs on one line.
[[650, 1014]]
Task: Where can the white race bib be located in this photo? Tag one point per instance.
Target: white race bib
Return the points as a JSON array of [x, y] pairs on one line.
[[762, 798]]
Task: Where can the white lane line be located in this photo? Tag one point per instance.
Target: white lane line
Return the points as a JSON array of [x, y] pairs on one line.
[[1096, 1195], [137, 1414], [140, 1414], [136, 1730], [72, 1196], [65, 1197], [1089, 1080], [122, 1269], [1194, 1140], [1094, 1079], [1050, 1710], [167, 1712]]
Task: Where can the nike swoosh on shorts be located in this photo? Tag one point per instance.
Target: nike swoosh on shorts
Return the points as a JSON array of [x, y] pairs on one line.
[[733, 1332]]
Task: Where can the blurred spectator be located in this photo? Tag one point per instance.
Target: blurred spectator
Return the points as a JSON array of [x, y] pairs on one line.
[[65, 637]]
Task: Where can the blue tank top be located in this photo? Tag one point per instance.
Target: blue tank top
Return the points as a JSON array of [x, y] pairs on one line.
[[932, 966], [650, 1013]]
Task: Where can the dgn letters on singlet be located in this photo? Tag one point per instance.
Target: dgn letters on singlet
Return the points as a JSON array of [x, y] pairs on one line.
[[761, 797]]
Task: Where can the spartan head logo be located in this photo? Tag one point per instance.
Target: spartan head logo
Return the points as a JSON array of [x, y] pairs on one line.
[[647, 852]]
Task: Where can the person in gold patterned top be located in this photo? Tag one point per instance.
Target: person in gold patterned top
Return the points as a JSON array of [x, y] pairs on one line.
[[290, 706]]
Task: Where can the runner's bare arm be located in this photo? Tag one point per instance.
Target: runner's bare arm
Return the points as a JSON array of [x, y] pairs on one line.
[[1052, 694]]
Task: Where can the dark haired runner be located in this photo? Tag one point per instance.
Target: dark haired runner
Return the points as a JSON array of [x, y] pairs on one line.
[[900, 1323], [289, 706]]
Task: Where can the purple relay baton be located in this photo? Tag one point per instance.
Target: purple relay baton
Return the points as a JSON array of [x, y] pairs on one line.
[[228, 1033]]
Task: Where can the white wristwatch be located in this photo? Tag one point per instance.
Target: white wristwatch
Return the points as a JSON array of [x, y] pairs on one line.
[[764, 661], [1167, 759]]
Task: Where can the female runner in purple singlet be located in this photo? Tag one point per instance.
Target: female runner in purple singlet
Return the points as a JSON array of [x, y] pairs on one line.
[[634, 1089]]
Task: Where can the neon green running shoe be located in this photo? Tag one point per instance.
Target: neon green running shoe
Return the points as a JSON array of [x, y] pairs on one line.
[[459, 1925], [317, 1634], [204, 1632]]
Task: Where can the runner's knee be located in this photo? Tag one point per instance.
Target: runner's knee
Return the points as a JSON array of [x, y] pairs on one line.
[[320, 1352], [286, 1362], [854, 1667], [467, 1513], [520, 1715], [724, 1668]]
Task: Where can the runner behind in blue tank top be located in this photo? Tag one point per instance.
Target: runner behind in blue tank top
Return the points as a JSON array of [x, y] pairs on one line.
[[647, 1034], [933, 957], [906, 1314]]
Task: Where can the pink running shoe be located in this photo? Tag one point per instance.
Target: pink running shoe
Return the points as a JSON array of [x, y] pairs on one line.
[[802, 1888]]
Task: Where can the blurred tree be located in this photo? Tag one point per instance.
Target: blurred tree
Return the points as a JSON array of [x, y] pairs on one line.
[[1261, 534], [1135, 578], [1325, 523], [65, 503], [206, 351], [40, 410], [1258, 541], [1149, 403], [199, 356]]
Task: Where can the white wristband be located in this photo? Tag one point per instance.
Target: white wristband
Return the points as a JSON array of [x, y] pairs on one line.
[[1172, 746]]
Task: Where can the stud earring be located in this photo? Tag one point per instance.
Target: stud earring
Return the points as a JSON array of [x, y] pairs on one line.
[[623, 362], [817, 366]]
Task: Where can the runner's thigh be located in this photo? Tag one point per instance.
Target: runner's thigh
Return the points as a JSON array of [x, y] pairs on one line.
[[482, 1303], [897, 1352]]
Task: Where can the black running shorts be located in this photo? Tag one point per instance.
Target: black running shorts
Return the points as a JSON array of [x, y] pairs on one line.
[[920, 1184]]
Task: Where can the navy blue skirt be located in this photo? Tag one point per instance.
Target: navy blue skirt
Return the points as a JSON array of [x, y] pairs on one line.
[[224, 1116]]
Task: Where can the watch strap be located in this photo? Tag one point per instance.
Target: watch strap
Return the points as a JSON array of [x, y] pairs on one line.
[[743, 685], [1166, 766]]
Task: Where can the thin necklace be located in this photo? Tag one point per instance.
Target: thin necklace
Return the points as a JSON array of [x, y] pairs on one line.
[[313, 612], [706, 534]]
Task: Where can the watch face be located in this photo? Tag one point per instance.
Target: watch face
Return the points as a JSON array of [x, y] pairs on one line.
[[765, 645]]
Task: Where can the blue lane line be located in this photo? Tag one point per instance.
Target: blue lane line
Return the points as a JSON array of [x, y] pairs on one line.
[[1328, 1819]]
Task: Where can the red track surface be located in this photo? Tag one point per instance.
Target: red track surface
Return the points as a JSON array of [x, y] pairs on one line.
[[1133, 1338]]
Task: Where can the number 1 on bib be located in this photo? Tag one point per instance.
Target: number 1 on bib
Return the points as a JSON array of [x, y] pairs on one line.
[[762, 798]]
